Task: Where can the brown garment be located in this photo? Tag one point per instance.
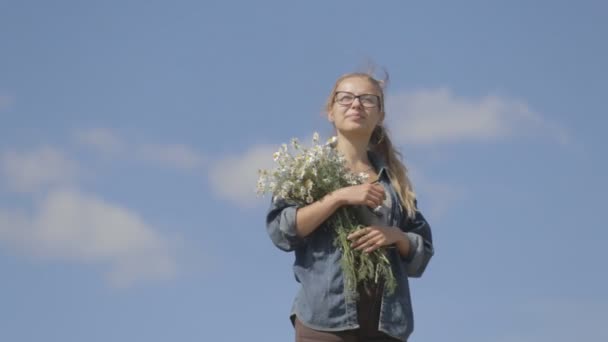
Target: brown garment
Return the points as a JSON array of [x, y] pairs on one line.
[[368, 313]]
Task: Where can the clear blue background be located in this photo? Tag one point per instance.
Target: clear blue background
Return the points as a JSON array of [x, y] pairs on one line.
[[517, 216]]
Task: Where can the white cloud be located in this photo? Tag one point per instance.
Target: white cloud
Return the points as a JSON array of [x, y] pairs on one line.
[[108, 143], [69, 225], [440, 196], [175, 155], [234, 178], [103, 140], [32, 170], [439, 116]]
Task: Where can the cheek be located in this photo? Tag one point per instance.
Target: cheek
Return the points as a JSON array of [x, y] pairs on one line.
[[340, 110], [335, 113], [330, 116], [375, 113]]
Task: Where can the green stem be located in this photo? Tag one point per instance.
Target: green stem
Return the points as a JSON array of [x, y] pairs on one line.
[[359, 267]]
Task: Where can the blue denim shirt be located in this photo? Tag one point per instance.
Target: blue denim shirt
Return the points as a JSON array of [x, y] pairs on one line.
[[321, 302]]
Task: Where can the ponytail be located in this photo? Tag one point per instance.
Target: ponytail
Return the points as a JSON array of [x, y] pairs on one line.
[[381, 144]]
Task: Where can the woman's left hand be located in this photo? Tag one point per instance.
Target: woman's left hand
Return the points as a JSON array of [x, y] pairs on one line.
[[371, 238]]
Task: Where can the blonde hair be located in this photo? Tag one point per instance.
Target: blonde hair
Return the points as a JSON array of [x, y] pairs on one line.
[[380, 143]]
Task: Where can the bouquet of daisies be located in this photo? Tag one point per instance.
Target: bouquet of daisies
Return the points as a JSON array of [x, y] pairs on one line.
[[305, 175]]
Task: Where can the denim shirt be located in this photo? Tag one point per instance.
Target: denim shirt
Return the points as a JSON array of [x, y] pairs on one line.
[[321, 302]]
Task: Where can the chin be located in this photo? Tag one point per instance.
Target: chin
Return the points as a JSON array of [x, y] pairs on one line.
[[354, 129]]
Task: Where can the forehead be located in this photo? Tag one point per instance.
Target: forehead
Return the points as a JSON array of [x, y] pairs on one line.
[[357, 85]]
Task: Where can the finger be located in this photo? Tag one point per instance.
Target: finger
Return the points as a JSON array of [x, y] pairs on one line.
[[372, 204], [376, 198], [378, 202], [372, 248], [376, 234], [374, 188], [376, 185], [381, 194], [356, 234], [353, 236], [372, 244], [377, 190], [365, 240], [361, 237]]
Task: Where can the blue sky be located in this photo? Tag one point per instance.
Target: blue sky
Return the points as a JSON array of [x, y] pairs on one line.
[[131, 132]]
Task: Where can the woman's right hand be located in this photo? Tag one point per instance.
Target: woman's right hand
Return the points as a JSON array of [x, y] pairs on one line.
[[371, 195], [310, 217]]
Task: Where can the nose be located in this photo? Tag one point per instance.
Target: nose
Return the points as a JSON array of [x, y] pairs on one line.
[[356, 103]]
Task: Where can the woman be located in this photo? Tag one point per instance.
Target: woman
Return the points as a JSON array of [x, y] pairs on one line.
[[321, 310]]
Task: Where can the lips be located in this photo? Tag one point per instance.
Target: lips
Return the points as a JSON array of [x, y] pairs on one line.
[[354, 116]]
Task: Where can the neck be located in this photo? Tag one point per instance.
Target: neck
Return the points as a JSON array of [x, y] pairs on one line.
[[354, 150]]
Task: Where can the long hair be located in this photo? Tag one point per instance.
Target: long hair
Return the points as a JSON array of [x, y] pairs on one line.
[[380, 143]]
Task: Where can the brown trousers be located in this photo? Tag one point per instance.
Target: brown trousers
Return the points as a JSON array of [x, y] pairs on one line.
[[368, 313]]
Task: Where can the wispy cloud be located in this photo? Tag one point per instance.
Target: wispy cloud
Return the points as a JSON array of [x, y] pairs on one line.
[[69, 225], [434, 116], [441, 196], [108, 143], [234, 177], [175, 155], [29, 171], [101, 140]]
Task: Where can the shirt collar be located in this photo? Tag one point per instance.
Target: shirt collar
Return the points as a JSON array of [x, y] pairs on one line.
[[378, 163]]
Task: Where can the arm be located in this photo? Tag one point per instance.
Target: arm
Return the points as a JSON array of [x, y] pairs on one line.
[[310, 217], [288, 224], [419, 250]]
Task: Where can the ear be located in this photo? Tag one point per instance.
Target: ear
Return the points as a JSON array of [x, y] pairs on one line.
[[330, 117]]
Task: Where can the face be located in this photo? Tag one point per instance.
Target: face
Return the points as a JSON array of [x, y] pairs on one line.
[[356, 107]]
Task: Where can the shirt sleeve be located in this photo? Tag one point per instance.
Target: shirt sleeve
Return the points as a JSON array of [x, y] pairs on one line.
[[418, 232], [281, 224]]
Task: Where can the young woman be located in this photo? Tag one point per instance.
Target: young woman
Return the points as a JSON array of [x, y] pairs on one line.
[[321, 310]]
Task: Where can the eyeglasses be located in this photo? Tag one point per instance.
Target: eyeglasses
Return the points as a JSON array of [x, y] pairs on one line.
[[367, 100]]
